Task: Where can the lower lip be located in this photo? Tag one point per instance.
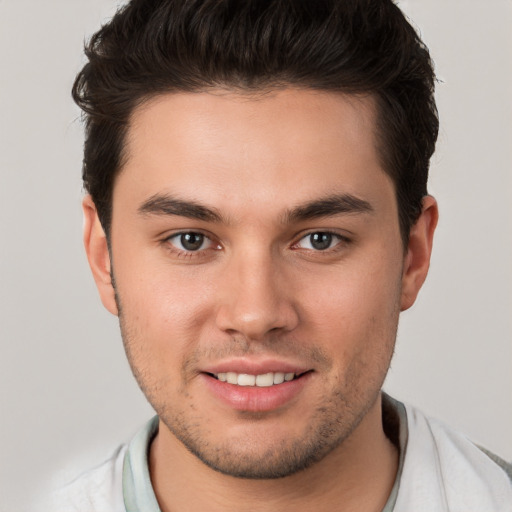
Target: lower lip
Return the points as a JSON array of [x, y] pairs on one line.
[[254, 398]]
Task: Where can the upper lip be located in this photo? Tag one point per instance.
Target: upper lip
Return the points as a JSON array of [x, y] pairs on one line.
[[255, 367]]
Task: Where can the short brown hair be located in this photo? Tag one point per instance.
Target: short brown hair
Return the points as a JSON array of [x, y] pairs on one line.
[[151, 47]]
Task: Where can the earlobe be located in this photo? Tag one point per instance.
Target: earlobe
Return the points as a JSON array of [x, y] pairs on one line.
[[96, 247], [419, 250]]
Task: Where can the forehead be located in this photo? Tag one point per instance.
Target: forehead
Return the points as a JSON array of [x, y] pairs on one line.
[[236, 149]]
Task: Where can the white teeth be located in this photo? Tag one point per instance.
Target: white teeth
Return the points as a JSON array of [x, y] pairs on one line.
[[278, 378], [246, 380], [263, 380], [232, 377]]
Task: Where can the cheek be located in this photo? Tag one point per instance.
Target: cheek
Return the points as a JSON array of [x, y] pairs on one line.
[[160, 323], [353, 298], [160, 295], [355, 316], [162, 317]]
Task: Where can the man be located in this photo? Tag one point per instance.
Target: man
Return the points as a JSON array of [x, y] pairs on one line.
[[258, 217]]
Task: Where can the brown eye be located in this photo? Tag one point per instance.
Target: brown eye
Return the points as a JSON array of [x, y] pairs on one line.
[[190, 241]]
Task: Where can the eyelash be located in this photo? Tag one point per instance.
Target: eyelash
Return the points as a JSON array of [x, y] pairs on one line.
[[187, 253], [342, 241]]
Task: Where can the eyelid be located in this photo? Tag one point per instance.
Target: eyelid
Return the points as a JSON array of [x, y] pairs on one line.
[[342, 239], [178, 236], [213, 243]]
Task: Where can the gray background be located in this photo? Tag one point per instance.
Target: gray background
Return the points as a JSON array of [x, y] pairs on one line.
[[66, 393]]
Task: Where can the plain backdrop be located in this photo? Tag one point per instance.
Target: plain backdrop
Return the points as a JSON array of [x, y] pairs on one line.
[[67, 396]]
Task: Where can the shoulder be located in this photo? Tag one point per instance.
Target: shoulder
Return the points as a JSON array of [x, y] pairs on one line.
[[97, 490], [444, 467], [506, 466], [453, 447]]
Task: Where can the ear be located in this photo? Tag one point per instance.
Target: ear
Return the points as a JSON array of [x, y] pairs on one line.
[[96, 247], [419, 249]]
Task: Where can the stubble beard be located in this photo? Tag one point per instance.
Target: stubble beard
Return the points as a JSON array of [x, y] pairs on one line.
[[238, 458], [333, 421]]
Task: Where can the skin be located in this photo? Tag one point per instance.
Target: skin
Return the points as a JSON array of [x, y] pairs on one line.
[[258, 292]]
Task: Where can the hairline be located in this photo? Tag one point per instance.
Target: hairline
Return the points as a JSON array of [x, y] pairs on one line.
[[253, 93]]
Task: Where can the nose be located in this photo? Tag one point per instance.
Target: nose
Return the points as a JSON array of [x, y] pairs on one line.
[[255, 298]]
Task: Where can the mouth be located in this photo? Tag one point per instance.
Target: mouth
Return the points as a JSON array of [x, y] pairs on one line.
[[263, 380], [257, 392]]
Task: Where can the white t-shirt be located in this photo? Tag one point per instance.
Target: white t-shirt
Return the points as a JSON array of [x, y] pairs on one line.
[[440, 470]]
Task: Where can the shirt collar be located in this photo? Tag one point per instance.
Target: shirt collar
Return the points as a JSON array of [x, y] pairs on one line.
[[139, 494]]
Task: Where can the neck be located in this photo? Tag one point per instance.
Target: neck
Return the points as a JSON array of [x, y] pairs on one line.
[[356, 476]]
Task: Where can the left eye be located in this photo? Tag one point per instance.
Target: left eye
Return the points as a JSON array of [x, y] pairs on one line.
[[190, 241], [319, 241]]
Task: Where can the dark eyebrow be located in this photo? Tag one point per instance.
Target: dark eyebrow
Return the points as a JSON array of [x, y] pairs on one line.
[[329, 206], [163, 204]]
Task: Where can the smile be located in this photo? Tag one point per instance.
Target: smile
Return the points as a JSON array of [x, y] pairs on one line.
[[263, 380], [254, 391]]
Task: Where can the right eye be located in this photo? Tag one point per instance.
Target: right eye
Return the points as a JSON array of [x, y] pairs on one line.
[[190, 241]]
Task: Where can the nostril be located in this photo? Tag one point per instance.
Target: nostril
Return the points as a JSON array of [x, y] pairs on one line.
[[254, 310]]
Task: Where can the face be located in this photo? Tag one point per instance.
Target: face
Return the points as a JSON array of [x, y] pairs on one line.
[[259, 272]]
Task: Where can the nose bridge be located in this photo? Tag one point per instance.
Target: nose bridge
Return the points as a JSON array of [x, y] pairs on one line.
[[254, 298]]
